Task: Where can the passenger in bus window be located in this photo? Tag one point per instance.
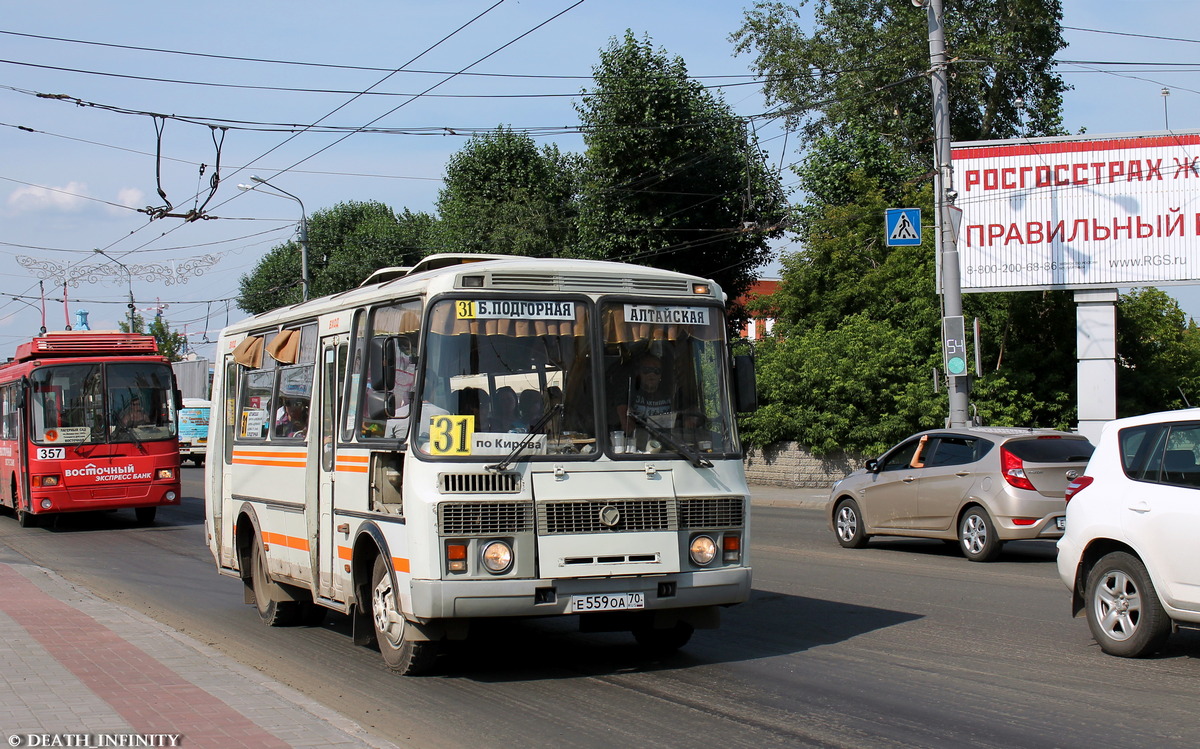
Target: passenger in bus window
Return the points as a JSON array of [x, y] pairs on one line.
[[529, 409], [504, 416], [293, 422]]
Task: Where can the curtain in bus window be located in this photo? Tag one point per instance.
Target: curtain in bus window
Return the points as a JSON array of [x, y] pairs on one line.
[[249, 353], [286, 347]]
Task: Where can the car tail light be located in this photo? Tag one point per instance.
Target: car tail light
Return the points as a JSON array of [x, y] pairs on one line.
[[1013, 470], [1077, 486], [1024, 521]]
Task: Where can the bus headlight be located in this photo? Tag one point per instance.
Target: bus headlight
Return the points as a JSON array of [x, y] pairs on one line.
[[703, 550], [497, 557], [43, 481], [165, 473], [47, 504]]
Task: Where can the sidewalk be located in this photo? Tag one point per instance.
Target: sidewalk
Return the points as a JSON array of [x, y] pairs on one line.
[[782, 496], [79, 671]]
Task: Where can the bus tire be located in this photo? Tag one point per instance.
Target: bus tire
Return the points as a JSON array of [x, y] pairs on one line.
[[273, 613], [27, 519], [406, 657], [145, 515]]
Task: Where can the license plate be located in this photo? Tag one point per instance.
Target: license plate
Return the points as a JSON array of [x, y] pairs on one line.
[[1060, 523], [609, 602]]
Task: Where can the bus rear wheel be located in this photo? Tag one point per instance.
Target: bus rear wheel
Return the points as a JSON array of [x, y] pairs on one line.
[[273, 613], [403, 656]]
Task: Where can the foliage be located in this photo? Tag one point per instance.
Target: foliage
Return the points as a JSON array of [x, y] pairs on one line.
[[856, 87], [866, 61], [503, 195], [1158, 354], [346, 243], [672, 178], [170, 343]]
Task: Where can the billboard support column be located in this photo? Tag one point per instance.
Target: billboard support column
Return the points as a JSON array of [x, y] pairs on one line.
[[1096, 370]]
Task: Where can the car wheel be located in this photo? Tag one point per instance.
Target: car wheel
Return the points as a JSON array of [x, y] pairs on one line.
[[977, 536], [848, 525], [1123, 610]]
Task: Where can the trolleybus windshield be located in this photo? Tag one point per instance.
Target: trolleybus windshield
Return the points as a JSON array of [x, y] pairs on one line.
[[97, 403]]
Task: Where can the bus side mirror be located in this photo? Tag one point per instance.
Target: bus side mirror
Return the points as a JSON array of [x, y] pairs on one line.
[[382, 374], [745, 383], [380, 406], [19, 400], [178, 399]]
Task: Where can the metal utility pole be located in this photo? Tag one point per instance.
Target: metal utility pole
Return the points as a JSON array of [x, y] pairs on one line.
[[954, 343], [303, 229]]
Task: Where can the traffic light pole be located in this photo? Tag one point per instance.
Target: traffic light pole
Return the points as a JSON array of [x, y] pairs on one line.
[[954, 344]]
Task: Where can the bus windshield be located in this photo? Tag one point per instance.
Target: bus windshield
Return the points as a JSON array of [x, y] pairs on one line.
[[664, 377], [97, 403], [497, 369]]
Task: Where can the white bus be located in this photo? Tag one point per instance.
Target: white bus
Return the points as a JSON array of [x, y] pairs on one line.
[[366, 455]]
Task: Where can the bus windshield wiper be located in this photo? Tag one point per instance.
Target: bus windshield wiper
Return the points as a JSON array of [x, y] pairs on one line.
[[691, 455], [533, 431]]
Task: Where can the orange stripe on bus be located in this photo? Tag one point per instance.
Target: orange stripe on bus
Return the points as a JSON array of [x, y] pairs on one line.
[[400, 564], [354, 469], [269, 453], [345, 552], [354, 458], [284, 464], [284, 540]]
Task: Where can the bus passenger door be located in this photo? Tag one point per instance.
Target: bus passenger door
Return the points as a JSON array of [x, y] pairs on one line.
[[333, 362]]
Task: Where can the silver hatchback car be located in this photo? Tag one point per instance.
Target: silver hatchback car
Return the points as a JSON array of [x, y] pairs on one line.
[[979, 486]]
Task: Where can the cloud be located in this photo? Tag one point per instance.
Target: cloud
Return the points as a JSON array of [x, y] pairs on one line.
[[70, 198], [130, 197]]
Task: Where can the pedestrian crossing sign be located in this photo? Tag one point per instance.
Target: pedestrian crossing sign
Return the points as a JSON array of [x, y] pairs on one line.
[[903, 227]]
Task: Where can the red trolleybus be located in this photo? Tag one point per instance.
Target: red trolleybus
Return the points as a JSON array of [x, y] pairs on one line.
[[87, 422]]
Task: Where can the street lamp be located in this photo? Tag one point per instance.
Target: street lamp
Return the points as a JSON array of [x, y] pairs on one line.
[[303, 229], [129, 279]]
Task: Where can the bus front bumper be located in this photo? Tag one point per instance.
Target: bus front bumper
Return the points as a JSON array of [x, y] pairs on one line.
[[455, 599]]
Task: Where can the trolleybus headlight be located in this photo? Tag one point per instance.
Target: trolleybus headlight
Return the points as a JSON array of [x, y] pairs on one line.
[[170, 496], [165, 473], [46, 480], [47, 504], [497, 556], [703, 550]]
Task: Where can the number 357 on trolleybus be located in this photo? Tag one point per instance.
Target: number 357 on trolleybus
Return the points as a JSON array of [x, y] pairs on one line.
[[87, 422], [480, 437]]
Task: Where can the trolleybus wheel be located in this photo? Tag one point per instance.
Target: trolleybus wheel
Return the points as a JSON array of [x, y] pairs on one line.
[[145, 515], [273, 613], [403, 656], [26, 519]]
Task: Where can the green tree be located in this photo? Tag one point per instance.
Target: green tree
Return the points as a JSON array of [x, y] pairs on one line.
[[171, 344], [866, 61], [855, 86], [1158, 354], [672, 178], [503, 195], [346, 243]]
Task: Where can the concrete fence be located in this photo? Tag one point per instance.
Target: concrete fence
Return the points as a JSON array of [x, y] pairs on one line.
[[791, 465]]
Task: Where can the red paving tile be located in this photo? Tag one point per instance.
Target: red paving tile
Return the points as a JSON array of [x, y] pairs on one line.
[[149, 696]]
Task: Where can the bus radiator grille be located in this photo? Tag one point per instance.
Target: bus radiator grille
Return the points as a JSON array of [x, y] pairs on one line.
[[480, 483], [586, 516], [712, 512], [484, 518]]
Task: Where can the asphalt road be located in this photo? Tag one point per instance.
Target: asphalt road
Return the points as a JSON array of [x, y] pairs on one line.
[[903, 643]]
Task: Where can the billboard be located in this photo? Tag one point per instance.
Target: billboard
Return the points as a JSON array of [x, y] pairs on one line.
[[1080, 212]]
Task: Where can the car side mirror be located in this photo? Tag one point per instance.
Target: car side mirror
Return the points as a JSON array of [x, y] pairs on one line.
[[872, 465]]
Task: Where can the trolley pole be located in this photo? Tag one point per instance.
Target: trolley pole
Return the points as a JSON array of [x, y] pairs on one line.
[[954, 344]]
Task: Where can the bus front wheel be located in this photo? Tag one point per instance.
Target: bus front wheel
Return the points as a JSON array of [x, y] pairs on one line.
[[407, 657]]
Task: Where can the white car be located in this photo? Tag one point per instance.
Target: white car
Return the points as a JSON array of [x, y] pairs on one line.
[[1131, 550]]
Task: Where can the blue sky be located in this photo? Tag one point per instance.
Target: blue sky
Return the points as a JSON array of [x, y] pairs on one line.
[[73, 184]]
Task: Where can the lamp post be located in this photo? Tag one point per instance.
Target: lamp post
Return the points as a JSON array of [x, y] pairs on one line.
[[303, 229], [129, 280]]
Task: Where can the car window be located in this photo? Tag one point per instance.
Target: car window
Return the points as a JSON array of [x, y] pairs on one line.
[[1051, 450], [900, 458], [1141, 451], [955, 450], [1180, 464]]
